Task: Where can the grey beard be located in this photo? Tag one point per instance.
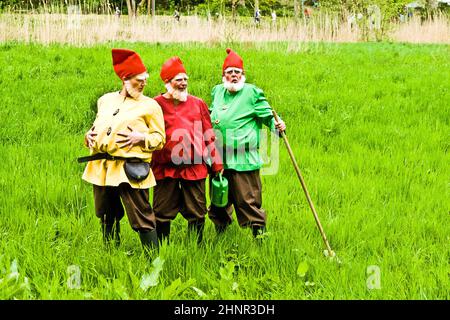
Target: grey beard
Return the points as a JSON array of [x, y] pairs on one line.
[[234, 87], [135, 94], [177, 94]]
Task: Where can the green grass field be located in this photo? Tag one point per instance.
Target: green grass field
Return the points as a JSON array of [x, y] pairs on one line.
[[369, 124]]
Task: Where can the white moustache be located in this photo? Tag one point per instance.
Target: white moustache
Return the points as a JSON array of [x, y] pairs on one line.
[[234, 87]]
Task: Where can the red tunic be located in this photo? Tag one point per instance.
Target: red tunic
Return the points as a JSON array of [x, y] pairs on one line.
[[189, 141]]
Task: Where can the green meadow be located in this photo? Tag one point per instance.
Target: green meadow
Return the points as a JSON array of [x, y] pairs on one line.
[[368, 123]]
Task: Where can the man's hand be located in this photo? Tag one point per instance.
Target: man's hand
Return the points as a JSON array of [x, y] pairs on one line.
[[134, 138], [89, 138], [280, 126]]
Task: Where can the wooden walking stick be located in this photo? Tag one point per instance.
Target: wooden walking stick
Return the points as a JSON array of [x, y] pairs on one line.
[[311, 205]]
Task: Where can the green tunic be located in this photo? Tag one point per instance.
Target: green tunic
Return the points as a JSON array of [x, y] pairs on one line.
[[237, 119]]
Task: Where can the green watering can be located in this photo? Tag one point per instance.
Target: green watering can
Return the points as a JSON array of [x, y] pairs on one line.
[[219, 191]]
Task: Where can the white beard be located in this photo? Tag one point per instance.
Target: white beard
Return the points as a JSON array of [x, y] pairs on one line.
[[233, 87], [134, 93], [177, 94]]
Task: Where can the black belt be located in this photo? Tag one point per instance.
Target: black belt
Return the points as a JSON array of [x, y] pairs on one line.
[[100, 156]]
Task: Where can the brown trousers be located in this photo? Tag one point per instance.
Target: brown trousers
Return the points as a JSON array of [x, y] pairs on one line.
[[188, 197], [109, 208], [244, 194]]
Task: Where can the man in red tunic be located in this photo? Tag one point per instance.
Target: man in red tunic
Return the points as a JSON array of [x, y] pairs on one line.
[[181, 168]]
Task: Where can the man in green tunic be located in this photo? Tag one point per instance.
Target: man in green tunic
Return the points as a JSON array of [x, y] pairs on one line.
[[238, 111]]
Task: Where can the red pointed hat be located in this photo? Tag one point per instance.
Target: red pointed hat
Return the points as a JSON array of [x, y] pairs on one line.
[[127, 63], [232, 60], [171, 68]]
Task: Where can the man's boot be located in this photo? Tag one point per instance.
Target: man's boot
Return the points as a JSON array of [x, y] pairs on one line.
[[107, 232], [258, 231], [198, 228], [163, 230], [220, 228], [111, 232], [149, 240], [116, 235]]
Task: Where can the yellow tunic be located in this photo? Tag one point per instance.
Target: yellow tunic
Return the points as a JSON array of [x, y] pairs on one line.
[[115, 113]]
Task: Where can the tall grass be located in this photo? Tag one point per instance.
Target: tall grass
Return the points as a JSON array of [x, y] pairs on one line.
[[369, 124], [92, 29]]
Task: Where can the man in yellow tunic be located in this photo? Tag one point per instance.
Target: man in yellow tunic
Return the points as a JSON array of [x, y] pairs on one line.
[[128, 125]]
